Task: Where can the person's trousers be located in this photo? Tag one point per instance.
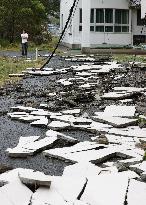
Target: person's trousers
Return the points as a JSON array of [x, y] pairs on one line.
[[24, 49]]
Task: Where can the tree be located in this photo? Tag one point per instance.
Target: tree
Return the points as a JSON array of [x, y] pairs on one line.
[[52, 6], [16, 15]]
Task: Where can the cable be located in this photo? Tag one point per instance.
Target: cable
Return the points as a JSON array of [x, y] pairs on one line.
[[62, 34]]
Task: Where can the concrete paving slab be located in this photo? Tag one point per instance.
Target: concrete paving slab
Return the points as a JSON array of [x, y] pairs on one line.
[[136, 193], [10, 190], [114, 121], [62, 190], [58, 125], [26, 147], [59, 135], [30, 177], [42, 122], [106, 189]]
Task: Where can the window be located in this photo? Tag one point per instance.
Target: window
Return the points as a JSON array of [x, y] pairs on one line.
[[108, 15], [92, 16], [121, 20], [140, 22], [99, 16], [107, 20], [80, 28], [80, 14], [108, 28], [99, 28], [80, 19], [91, 28]]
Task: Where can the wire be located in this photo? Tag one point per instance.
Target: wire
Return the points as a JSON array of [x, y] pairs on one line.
[[63, 32]]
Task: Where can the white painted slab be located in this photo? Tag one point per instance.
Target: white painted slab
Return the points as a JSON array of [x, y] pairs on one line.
[[52, 133], [58, 125], [30, 146], [42, 122], [133, 131], [85, 156], [129, 89], [63, 189], [30, 177], [118, 110], [117, 95], [71, 112], [136, 193], [16, 193], [106, 189], [114, 121], [82, 170]]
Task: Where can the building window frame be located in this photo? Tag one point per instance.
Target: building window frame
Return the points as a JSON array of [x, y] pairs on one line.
[[80, 19], [103, 25]]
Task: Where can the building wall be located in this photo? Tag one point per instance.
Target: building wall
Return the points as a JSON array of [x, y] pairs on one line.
[[65, 6], [137, 30], [74, 36]]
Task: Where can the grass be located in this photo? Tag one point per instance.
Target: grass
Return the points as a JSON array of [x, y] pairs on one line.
[[14, 65], [5, 45], [144, 156], [123, 58]]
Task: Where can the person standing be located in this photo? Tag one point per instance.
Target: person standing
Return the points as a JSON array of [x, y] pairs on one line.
[[24, 37]]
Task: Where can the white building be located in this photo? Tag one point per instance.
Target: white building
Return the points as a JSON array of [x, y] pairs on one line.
[[97, 23]]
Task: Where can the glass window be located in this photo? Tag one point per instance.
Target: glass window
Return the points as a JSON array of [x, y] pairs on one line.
[[92, 16], [117, 28], [99, 28], [118, 16], [140, 22], [125, 28], [80, 14], [108, 28], [121, 16], [91, 28], [80, 28], [125, 17], [99, 16], [108, 15]]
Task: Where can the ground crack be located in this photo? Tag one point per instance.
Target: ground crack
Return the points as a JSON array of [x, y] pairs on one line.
[[82, 191], [126, 195]]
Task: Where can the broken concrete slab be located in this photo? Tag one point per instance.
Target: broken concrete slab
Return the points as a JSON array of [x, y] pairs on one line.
[[82, 170], [30, 177], [41, 112], [114, 121], [113, 186], [120, 111], [42, 122], [69, 153], [98, 155], [16, 75], [17, 115], [136, 193], [72, 112], [52, 133], [29, 118], [58, 125], [23, 108], [62, 190], [27, 147], [10, 190], [115, 139], [119, 95], [139, 168], [133, 131], [129, 89]]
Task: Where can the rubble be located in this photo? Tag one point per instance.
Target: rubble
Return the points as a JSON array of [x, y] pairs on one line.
[[92, 109]]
